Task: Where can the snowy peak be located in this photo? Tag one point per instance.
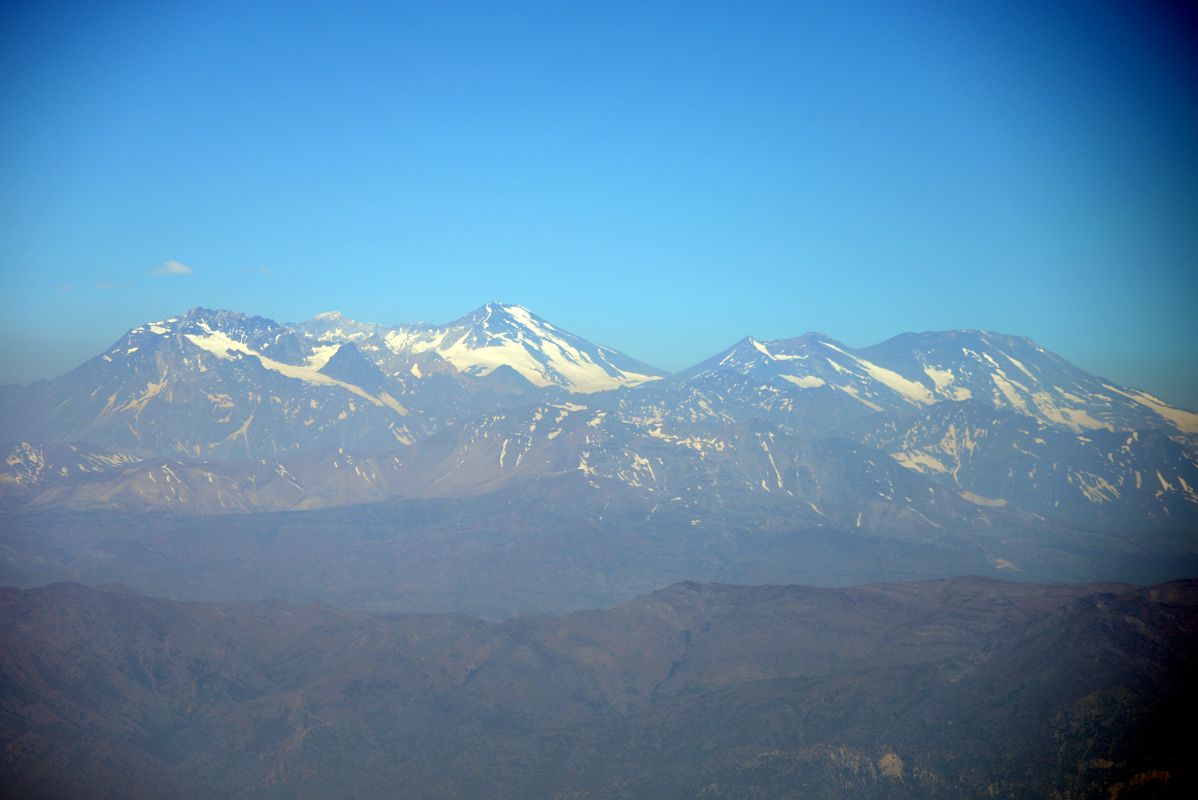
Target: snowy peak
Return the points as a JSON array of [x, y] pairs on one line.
[[227, 334], [498, 335], [914, 371], [813, 363], [479, 343], [221, 384], [752, 356], [1017, 374], [169, 338], [335, 326], [495, 323]]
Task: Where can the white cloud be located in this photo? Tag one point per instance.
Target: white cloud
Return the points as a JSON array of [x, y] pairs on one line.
[[171, 267]]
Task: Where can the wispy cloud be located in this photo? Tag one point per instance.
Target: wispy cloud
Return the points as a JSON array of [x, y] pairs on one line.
[[260, 271], [105, 285], [171, 267]]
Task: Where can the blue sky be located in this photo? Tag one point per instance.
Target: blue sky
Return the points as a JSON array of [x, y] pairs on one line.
[[664, 178]]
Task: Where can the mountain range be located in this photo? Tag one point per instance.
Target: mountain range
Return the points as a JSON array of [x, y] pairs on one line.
[[253, 559], [998, 455]]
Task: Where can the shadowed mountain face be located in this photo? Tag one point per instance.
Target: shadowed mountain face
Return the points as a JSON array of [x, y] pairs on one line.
[[959, 688]]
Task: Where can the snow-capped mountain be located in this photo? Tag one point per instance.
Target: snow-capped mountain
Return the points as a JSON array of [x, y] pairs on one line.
[[925, 433], [215, 384], [813, 374], [1015, 373], [495, 338]]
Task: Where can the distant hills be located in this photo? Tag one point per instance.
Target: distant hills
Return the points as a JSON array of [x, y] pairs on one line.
[[944, 689]]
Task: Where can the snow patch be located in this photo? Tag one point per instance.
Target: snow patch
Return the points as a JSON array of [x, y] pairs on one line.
[[1097, 489], [221, 345], [804, 381], [321, 355], [943, 380], [911, 391], [980, 500], [919, 461], [1008, 391], [765, 351], [1077, 419], [852, 392], [1019, 366], [1186, 421]]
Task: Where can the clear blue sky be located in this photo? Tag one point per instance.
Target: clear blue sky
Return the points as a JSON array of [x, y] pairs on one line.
[[660, 177]]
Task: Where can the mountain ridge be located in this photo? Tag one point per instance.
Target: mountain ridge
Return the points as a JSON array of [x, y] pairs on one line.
[[334, 322]]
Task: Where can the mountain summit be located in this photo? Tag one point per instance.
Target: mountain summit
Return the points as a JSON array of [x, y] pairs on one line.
[[499, 334], [913, 372], [499, 340]]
